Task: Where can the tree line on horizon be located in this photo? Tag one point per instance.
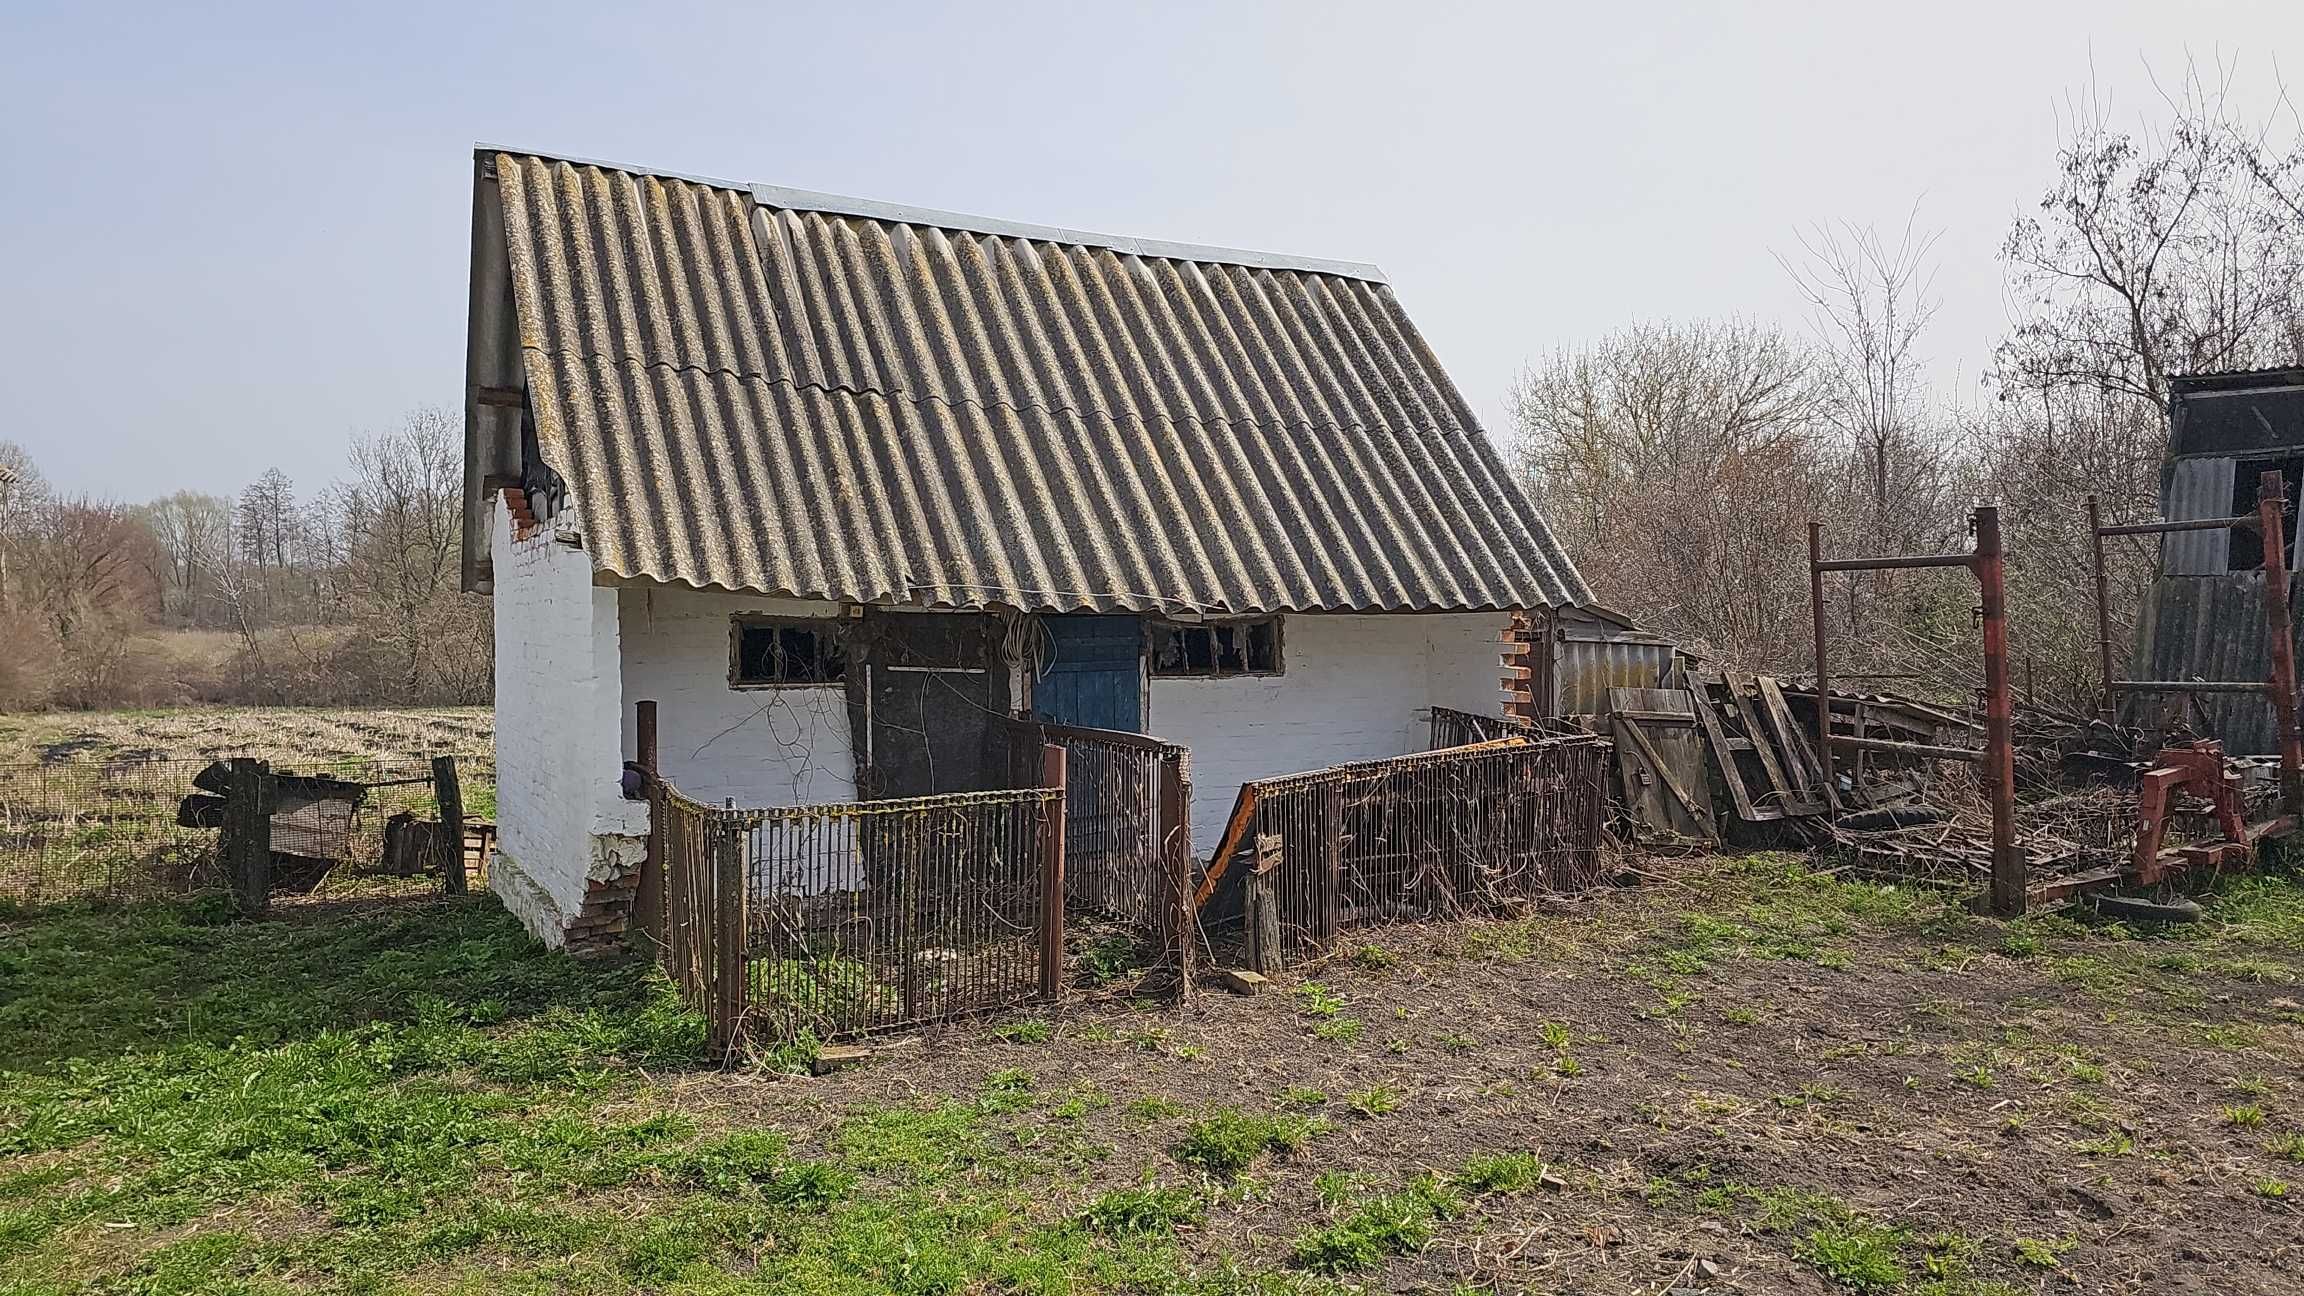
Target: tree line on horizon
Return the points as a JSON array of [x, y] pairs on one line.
[[348, 594]]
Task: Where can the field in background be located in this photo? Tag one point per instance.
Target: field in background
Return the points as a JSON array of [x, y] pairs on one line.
[[282, 735], [88, 799]]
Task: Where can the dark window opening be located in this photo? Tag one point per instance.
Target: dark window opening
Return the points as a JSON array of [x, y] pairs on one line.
[[785, 652], [1218, 650], [2245, 551]]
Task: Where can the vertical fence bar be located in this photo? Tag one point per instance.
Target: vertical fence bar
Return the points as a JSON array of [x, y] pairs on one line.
[[2271, 507], [247, 838], [2107, 706], [1823, 673], [648, 894], [2008, 865], [1052, 873]]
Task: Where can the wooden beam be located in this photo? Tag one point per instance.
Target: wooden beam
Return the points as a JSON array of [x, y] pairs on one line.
[[1243, 810]]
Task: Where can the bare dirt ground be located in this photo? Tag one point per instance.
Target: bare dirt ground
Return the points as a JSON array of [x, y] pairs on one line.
[[1746, 1079]]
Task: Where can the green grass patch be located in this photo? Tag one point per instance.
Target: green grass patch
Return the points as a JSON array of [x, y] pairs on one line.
[[1227, 1141]]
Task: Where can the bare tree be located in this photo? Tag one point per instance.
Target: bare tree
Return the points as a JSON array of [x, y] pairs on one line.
[[2155, 251], [22, 492], [400, 524], [1679, 463], [1870, 302]]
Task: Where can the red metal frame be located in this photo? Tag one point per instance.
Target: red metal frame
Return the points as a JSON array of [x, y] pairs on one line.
[[2198, 769], [1988, 563]]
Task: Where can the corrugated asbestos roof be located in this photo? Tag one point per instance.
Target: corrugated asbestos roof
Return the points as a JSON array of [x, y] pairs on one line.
[[810, 402]]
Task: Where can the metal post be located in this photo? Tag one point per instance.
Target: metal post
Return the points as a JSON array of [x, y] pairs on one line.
[[2271, 503], [648, 894], [2008, 869], [1823, 675], [2109, 705], [1052, 873], [450, 795]]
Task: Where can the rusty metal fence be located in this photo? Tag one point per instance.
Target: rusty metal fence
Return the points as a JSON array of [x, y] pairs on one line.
[[1444, 833], [95, 828], [1127, 830], [1453, 728], [843, 919]]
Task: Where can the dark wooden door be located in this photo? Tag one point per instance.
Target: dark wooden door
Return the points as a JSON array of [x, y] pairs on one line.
[[938, 691]]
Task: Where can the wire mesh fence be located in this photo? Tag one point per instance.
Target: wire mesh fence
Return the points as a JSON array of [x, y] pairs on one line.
[[1443, 833], [843, 919], [109, 829]]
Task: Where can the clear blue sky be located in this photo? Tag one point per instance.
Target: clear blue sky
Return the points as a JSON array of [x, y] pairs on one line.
[[236, 233]]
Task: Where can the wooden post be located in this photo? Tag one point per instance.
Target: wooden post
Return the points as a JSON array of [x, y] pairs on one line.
[[450, 795], [246, 843], [1176, 864], [2009, 871], [729, 936], [1052, 874], [648, 895], [1262, 894]]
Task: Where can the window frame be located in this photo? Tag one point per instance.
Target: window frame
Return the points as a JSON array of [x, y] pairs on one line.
[[1155, 627], [829, 632]]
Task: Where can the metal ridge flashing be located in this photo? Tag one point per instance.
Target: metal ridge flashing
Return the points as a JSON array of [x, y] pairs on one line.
[[785, 199]]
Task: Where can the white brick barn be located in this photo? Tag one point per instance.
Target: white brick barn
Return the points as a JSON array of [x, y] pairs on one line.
[[836, 483]]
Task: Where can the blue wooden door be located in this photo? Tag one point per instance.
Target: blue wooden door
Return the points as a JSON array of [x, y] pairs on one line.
[[1092, 672]]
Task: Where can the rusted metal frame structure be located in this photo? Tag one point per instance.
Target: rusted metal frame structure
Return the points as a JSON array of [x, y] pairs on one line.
[[1431, 834], [1987, 562], [2279, 687]]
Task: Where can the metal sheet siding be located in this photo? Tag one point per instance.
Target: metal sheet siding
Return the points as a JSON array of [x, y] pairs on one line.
[[2197, 488], [820, 405], [1586, 669]]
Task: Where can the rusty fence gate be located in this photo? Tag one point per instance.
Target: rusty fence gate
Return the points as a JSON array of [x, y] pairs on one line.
[[1127, 831], [842, 919], [1467, 829]]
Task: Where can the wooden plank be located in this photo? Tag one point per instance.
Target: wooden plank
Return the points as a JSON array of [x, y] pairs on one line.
[[1263, 907], [450, 794], [1791, 740], [1757, 736], [1243, 812], [1699, 692], [1241, 982], [1702, 815]]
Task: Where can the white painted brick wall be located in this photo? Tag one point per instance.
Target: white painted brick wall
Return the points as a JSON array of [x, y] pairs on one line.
[[559, 818], [1352, 688], [762, 746]]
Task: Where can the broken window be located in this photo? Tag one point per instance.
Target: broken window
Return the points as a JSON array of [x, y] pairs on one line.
[[768, 651], [2244, 552], [1217, 649]]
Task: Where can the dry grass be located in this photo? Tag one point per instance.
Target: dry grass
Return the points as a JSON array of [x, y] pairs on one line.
[[282, 735]]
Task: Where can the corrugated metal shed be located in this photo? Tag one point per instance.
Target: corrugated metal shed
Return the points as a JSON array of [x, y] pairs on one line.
[[2202, 620], [829, 398]]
